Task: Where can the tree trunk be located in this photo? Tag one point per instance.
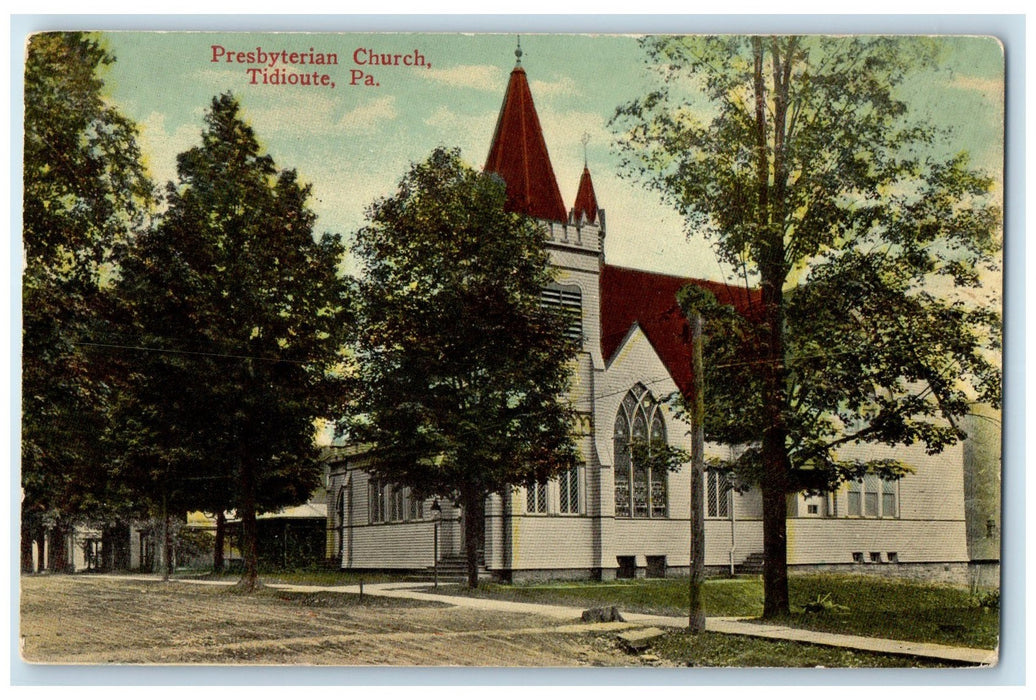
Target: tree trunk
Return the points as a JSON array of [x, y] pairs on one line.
[[107, 562], [221, 534], [28, 538], [41, 550], [474, 527], [775, 552], [167, 546], [249, 530], [57, 559], [773, 275]]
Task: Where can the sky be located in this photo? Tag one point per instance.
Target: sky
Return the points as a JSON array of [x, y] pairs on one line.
[[355, 140]]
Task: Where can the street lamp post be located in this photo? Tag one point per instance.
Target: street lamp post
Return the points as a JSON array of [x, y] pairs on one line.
[[436, 516]]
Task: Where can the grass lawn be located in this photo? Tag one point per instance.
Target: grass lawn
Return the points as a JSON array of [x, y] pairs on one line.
[[864, 605], [734, 651]]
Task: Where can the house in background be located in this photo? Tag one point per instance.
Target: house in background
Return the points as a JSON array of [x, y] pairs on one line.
[[611, 517]]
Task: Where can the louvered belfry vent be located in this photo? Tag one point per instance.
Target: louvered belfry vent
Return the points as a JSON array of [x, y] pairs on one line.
[[569, 299]]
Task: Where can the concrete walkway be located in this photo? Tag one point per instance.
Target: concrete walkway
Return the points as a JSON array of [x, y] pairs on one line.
[[724, 625]]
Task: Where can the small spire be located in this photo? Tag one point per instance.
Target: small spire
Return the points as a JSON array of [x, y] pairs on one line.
[[518, 51], [585, 140]]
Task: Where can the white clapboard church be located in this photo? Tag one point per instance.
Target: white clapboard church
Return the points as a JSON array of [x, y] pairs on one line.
[[611, 517]]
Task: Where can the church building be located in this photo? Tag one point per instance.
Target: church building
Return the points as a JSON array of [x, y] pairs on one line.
[[611, 517]]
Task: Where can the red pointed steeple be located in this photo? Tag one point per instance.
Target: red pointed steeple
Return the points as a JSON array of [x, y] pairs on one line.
[[586, 200], [519, 155]]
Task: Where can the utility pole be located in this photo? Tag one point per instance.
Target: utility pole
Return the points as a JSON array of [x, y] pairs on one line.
[[696, 615]]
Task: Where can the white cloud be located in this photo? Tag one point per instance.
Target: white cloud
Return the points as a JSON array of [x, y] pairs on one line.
[[480, 77], [370, 115], [160, 147], [471, 133], [565, 87], [990, 88], [307, 113]]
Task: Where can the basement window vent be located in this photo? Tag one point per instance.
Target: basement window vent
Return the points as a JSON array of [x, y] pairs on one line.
[[892, 557], [875, 557], [858, 557], [627, 567]]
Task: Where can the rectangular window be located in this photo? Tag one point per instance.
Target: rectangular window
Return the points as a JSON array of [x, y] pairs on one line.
[[396, 504], [376, 491], [855, 498], [416, 507], [568, 491], [871, 484], [536, 498], [888, 498], [718, 494], [875, 557], [873, 497]]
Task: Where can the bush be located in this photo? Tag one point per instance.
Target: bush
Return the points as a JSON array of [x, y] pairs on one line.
[[990, 600]]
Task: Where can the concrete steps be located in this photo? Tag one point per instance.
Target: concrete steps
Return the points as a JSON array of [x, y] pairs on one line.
[[752, 565], [455, 568]]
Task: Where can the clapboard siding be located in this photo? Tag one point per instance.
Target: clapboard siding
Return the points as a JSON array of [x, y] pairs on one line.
[[393, 545], [833, 540], [552, 542]]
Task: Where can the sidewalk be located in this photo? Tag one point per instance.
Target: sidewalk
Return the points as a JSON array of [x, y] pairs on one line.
[[415, 590], [722, 625]]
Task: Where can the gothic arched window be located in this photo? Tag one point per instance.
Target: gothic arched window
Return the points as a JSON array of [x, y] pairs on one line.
[[640, 490]]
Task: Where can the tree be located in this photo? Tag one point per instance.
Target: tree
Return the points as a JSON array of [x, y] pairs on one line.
[[807, 173], [462, 370], [240, 317], [85, 194]]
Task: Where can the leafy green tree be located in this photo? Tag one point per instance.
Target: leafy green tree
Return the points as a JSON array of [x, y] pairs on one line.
[[798, 158], [85, 194], [463, 372], [241, 318]]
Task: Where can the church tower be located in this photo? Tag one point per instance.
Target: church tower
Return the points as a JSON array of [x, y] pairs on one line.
[[575, 240]]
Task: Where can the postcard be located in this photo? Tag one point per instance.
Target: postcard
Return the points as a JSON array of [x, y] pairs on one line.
[[501, 350]]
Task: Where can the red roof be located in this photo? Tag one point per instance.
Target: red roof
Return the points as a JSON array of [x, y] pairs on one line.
[[586, 200], [519, 155], [649, 300]]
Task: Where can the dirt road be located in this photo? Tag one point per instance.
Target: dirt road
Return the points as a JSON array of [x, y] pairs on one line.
[[97, 620]]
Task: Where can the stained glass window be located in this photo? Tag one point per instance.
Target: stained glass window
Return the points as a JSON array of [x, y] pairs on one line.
[[640, 491]]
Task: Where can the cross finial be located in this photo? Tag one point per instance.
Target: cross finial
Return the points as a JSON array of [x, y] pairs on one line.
[[585, 140], [518, 51]]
